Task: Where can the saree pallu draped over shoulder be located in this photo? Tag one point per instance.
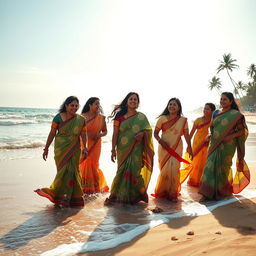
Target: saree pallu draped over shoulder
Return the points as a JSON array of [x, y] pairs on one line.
[[135, 161], [66, 189], [217, 180], [171, 175], [93, 179]]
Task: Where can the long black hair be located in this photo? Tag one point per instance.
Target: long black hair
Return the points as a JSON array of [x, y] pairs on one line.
[[231, 98], [121, 109], [166, 111], [67, 101], [89, 102]]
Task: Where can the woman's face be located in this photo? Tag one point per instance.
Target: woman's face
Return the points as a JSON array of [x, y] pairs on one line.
[[173, 107], [225, 102], [133, 101], [207, 111], [72, 107], [95, 106]]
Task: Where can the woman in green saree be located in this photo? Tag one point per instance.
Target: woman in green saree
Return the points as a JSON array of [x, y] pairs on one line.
[[132, 146], [67, 128], [228, 133]]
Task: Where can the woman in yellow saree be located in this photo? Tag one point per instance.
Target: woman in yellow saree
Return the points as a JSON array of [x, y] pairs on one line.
[[93, 179], [67, 127], [133, 148], [173, 126], [200, 144], [228, 133]]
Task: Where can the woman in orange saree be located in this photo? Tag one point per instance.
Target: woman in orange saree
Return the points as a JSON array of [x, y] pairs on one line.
[[173, 126], [228, 134], [133, 148], [67, 127], [93, 179], [200, 144]]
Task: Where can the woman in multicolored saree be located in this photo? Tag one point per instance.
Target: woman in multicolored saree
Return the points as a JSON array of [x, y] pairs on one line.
[[200, 144], [133, 148], [173, 126], [67, 128], [228, 133], [92, 177]]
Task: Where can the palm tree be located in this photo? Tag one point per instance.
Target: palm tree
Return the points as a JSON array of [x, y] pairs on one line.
[[241, 87], [228, 64], [235, 92], [251, 72], [215, 83]]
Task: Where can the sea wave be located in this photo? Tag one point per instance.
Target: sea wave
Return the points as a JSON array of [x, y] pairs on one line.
[[22, 116], [8, 122], [22, 144]]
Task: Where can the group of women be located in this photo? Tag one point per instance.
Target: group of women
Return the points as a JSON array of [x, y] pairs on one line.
[[207, 162]]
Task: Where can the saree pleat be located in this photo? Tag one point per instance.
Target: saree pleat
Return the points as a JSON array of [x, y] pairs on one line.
[[66, 189], [217, 180], [135, 161], [93, 179]]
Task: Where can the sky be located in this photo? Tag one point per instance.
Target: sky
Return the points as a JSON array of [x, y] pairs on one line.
[[51, 49]]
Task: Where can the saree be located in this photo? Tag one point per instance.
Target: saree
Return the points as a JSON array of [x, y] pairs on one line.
[[199, 148], [217, 180], [66, 189], [171, 175], [134, 160], [93, 179]]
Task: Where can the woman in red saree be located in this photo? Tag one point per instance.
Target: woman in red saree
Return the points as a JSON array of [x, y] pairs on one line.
[[173, 126], [133, 148], [93, 179], [228, 135], [67, 128], [200, 144]]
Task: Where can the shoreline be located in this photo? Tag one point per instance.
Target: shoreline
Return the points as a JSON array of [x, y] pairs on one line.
[[24, 213], [228, 230]]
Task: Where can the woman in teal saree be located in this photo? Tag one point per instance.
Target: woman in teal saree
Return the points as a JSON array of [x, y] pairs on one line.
[[228, 134], [67, 127], [132, 146]]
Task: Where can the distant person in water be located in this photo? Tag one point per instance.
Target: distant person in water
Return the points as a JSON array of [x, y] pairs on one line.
[[200, 144], [172, 125], [67, 128], [133, 148], [92, 177], [228, 134]]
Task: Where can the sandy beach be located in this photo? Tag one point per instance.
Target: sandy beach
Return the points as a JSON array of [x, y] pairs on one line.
[[228, 230], [31, 225]]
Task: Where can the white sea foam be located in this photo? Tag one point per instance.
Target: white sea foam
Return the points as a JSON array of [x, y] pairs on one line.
[[131, 231], [22, 144]]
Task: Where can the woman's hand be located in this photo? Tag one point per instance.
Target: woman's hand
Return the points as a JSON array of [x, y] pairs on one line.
[[228, 138], [139, 136], [240, 164], [113, 155], [163, 144], [190, 153], [84, 155], [45, 154]]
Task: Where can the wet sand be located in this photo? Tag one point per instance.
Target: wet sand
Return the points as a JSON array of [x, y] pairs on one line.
[[31, 225]]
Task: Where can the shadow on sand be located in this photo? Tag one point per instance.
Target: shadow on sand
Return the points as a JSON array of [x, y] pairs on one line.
[[39, 225]]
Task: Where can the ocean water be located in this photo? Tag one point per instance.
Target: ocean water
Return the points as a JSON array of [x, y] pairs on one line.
[[23, 132]]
